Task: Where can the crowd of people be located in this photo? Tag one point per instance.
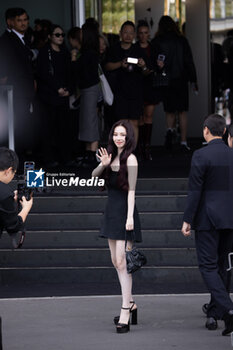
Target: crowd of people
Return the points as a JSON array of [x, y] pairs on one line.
[[50, 80]]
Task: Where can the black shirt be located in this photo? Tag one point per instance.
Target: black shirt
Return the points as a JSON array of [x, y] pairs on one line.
[[178, 62], [53, 73], [9, 219], [129, 80], [86, 69]]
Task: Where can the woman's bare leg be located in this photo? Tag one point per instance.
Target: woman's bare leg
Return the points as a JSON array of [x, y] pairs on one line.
[[117, 249]]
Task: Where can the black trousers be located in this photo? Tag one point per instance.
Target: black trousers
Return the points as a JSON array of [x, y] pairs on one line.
[[212, 248]]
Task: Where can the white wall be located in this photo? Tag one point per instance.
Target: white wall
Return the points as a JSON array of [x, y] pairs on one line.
[[157, 10]]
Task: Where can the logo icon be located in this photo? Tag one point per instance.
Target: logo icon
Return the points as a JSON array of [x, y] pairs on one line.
[[35, 178]]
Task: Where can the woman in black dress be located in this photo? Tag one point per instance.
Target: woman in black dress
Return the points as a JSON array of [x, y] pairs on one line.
[[121, 218]]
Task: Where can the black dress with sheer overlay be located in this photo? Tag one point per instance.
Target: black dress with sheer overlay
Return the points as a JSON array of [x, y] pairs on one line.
[[115, 215]]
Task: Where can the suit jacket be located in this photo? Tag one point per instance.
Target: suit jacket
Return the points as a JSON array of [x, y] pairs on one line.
[[17, 59], [3, 57], [210, 196]]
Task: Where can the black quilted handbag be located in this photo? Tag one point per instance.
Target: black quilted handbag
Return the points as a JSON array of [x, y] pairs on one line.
[[134, 258]]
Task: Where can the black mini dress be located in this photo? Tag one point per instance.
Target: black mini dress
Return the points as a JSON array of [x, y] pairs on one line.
[[115, 215]]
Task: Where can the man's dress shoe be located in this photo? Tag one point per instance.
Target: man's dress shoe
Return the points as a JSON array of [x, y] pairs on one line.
[[211, 324], [228, 318]]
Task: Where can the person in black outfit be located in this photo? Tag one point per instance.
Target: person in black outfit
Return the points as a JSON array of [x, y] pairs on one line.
[[54, 87], [121, 220], [19, 73], [179, 69], [209, 210], [10, 220], [87, 78], [128, 94], [151, 95], [212, 323]]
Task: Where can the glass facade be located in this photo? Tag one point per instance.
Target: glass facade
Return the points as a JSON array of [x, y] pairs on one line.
[[220, 9], [115, 12], [110, 13], [175, 9]]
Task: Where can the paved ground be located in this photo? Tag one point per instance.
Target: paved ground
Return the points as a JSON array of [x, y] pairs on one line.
[[85, 323]]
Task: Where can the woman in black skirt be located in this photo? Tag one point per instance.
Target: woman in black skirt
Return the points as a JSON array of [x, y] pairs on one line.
[[121, 218]]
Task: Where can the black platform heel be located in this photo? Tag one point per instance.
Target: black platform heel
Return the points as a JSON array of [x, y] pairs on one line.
[[123, 327], [134, 315]]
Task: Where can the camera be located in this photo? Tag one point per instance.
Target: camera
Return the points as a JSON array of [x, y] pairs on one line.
[[23, 190], [132, 60], [161, 58]]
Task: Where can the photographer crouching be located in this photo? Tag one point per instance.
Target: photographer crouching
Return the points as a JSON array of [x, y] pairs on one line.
[[10, 219]]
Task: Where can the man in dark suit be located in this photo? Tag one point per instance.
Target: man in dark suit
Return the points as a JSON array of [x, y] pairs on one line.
[[19, 74], [209, 210]]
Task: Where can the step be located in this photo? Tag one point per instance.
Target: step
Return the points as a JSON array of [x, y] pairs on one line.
[[83, 257], [162, 184], [74, 204], [97, 281], [143, 184], [71, 221], [90, 238]]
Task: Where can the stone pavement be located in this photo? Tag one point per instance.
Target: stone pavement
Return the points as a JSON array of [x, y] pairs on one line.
[[86, 323]]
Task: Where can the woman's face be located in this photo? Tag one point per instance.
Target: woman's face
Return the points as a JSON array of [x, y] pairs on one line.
[[143, 34], [119, 136], [57, 37], [102, 46], [127, 34]]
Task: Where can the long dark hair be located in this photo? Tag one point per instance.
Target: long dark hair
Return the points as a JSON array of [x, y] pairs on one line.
[[167, 24], [122, 178], [90, 38]]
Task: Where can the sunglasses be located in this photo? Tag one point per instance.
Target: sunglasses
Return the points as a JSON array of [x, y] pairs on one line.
[[57, 35]]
